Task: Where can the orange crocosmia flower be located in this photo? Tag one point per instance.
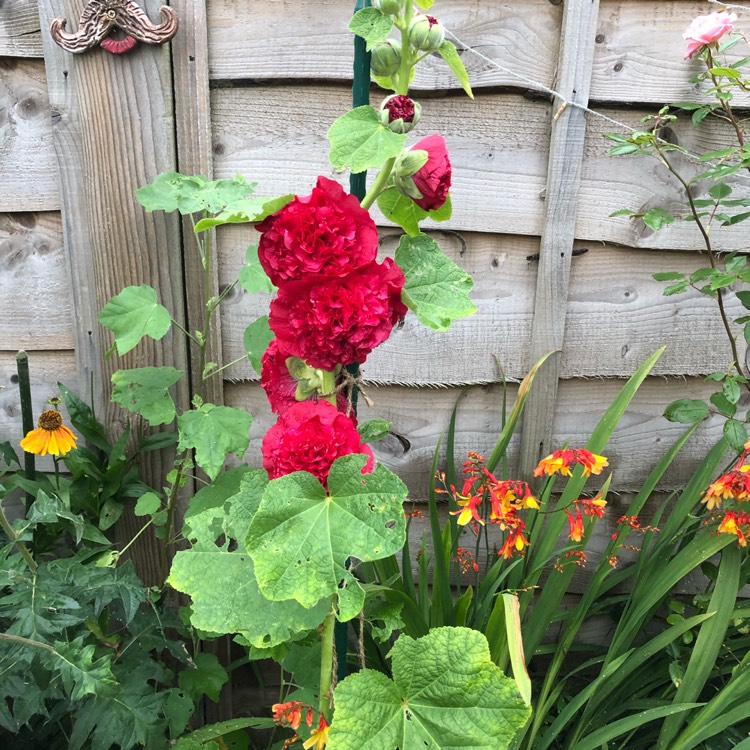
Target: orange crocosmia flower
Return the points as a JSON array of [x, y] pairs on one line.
[[288, 714], [510, 495], [318, 738], [593, 506], [575, 533], [561, 461], [737, 524], [734, 485], [515, 541], [469, 509], [52, 436]]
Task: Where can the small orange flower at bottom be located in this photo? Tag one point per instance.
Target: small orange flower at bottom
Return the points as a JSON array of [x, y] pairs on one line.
[[561, 461], [52, 436], [319, 737], [737, 524]]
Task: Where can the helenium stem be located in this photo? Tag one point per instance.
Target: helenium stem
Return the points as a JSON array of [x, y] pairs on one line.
[[326, 666]]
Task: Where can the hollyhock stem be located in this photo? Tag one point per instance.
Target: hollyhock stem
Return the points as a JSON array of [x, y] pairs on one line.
[[326, 665], [379, 185], [328, 387]]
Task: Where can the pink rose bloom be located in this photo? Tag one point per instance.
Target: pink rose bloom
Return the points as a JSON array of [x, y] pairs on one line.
[[329, 321], [706, 30], [310, 436], [433, 180], [326, 232], [280, 386]]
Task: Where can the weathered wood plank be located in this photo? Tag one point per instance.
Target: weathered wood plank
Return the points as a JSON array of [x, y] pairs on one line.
[[638, 57], [115, 133], [34, 283], [28, 177], [558, 233], [19, 29], [617, 315], [420, 416], [499, 146]]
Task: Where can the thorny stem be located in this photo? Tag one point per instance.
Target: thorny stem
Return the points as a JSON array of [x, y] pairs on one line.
[[707, 242], [326, 666], [22, 548]]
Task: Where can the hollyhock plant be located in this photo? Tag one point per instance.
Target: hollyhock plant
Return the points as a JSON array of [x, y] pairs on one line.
[[706, 30], [433, 180], [329, 321], [326, 232], [310, 436]]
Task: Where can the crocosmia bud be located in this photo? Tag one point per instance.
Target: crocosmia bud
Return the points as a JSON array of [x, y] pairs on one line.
[[386, 57], [399, 113], [389, 7], [426, 33]]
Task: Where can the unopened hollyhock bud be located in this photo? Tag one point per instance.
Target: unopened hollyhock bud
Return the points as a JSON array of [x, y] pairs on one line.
[[406, 165], [386, 57], [426, 33], [399, 113], [389, 7], [433, 179]]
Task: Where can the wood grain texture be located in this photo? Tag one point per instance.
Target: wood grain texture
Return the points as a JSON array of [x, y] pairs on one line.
[[558, 232], [19, 29], [616, 315], [115, 133], [638, 54], [419, 416], [499, 149], [28, 173], [34, 283]]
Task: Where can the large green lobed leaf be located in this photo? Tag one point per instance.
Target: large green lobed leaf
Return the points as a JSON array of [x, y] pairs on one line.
[[436, 289], [133, 314], [145, 391], [302, 536], [446, 694]]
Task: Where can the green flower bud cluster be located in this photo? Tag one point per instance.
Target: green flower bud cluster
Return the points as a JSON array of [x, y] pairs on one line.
[[426, 33], [386, 57], [389, 7]]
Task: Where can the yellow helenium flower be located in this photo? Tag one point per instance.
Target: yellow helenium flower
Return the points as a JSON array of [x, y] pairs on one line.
[[52, 436]]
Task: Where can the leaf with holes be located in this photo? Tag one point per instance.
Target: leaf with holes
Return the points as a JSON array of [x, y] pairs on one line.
[[145, 391], [214, 432], [302, 536], [133, 314], [372, 25], [436, 289], [221, 583], [191, 194], [244, 211], [445, 693]]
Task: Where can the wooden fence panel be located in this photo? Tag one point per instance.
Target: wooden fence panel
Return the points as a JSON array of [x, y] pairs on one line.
[[19, 29]]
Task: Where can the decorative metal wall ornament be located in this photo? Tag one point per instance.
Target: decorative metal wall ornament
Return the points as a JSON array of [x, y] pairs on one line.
[[116, 25]]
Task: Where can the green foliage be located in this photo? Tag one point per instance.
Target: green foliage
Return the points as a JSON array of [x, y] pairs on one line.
[[258, 335], [145, 391], [243, 211], [205, 676], [133, 314], [252, 276], [190, 194], [686, 411], [449, 53], [436, 289], [445, 692], [302, 535], [403, 211], [360, 142], [374, 430], [372, 25], [213, 432]]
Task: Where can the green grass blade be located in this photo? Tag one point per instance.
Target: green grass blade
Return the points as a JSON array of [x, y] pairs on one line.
[[515, 646], [462, 607], [709, 641], [442, 600]]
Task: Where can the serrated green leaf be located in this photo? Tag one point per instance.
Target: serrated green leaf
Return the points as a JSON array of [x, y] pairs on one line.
[[719, 191], [668, 276], [449, 53], [445, 693], [244, 211], [50, 509], [735, 434], [222, 585], [145, 391], [302, 536], [725, 407], [147, 504], [731, 389], [252, 276], [622, 212], [205, 676], [436, 289], [258, 335], [214, 432], [402, 210], [700, 115], [656, 218], [81, 673], [686, 411], [360, 142], [374, 430], [133, 314], [372, 25], [190, 194]]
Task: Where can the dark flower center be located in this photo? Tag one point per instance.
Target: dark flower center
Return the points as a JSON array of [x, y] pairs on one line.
[[50, 420], [400, 108]]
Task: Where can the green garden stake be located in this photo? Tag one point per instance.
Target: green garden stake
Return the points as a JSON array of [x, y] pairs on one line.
[[27, 415], [358, 187]]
